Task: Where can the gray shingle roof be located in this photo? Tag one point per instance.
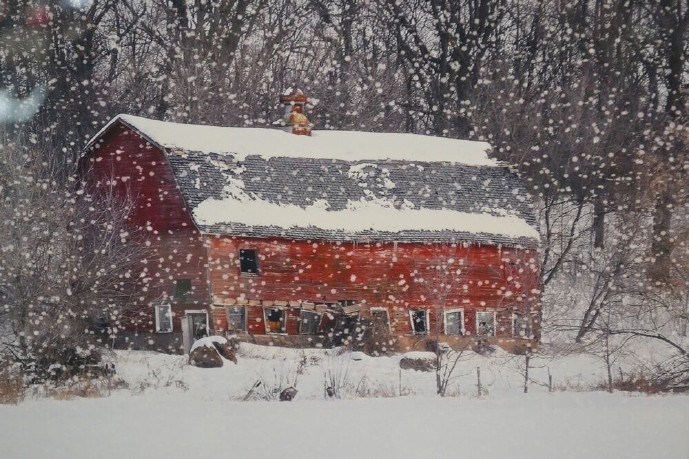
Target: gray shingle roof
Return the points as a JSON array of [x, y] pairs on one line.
[[301, 181]]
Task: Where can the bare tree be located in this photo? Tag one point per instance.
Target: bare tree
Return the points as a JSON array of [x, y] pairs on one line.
[[69, 268]]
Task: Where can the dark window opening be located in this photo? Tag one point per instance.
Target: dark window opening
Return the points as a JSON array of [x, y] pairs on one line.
[[380, 316], [275, 320], [236, 318], [309, 322], [380, 322], [521, 328], [248, 261], [418, 321], [182, 289], [199, 324]]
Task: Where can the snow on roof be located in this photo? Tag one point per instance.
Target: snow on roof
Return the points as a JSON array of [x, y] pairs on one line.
[[338, 145], [342, 186], [359, 216]]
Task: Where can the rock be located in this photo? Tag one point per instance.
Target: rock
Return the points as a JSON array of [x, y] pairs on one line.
[[288, 394], [205, 357], [221, 345], [423, 364]]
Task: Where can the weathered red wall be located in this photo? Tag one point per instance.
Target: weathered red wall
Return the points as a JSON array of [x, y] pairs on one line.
[[377, 274], [134, 169]]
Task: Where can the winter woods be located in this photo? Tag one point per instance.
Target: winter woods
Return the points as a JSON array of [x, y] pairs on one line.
[[587, 99]]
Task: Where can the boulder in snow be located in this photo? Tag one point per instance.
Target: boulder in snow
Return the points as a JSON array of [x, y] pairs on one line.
[[419, 361], [209, 352], [205, 357], [288, 394]]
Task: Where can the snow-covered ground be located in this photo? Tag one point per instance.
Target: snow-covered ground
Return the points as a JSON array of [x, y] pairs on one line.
[[173, 410]]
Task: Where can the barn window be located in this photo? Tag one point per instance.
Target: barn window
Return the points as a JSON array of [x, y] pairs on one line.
[[275, 320], [248, 261], [182, 289], [163, 316], [521, 328], [309, 322], [454, 322], [381, 320], [345, 303], [419, 321], [485, 323], [236, 318]]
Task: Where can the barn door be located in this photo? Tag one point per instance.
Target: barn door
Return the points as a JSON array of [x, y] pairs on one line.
[[187, 333], [194, 326]]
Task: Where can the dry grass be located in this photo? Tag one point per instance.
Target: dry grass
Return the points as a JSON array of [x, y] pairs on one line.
[[11, 387], [85, 388]]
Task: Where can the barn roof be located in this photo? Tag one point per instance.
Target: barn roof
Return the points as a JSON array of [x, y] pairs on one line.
[[343, 185], [343, 145]]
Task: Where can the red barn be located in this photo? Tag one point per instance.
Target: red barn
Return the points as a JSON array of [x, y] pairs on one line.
[[296, 240]]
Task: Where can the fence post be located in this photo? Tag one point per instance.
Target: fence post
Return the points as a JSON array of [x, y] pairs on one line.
[[478, 377], [400, 381]]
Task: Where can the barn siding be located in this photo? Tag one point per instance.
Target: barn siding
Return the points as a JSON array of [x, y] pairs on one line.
[[129, 165], [376, 274], [254, 315]]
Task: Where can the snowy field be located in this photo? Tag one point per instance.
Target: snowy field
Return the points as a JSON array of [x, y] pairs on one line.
[[173, 410]]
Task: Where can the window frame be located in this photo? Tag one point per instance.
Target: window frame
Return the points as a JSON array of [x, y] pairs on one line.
[[462, 325], [157, 318], [494, 322], [283, 328], [186, 295], [373, 309], [426, 321], [318, 323], [527, 329], [229, 322], [256, 263], [199, 311]]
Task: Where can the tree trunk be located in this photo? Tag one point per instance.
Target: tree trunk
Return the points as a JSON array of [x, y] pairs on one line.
[[598, 222], [661, 246]]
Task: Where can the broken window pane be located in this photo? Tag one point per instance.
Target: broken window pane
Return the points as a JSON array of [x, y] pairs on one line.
[[485, 323], [309, 322], [275, 320], [419, 321]]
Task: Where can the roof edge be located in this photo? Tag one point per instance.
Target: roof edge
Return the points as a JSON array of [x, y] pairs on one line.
[[119, 118]]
